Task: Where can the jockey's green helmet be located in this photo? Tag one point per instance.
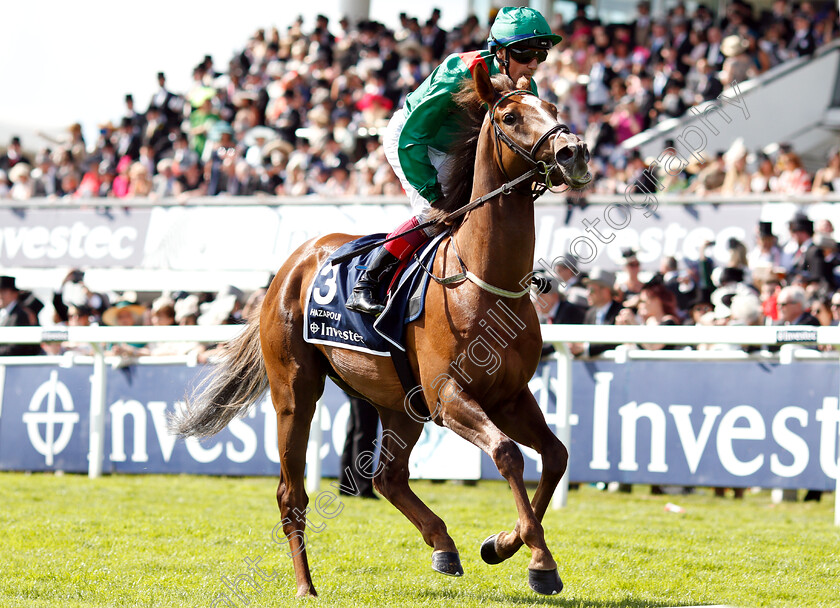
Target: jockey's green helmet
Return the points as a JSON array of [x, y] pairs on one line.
[[522, 26]]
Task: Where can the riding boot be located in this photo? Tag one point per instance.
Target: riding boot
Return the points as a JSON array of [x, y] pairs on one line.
[[365, 296]]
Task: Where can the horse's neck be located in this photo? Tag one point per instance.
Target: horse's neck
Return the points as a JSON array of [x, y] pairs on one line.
[[496, 240]]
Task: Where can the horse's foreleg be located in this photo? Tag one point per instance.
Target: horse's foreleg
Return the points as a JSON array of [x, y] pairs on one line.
[[523, 421], [399, 436], [464, 416]]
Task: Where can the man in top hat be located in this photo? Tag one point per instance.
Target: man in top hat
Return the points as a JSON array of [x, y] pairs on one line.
[[603, 309], [13, 314], [803, 42], [766, 253], [167, 102], [807, 258], [700, 305], [128, 140], [679, 283], [14, 155]]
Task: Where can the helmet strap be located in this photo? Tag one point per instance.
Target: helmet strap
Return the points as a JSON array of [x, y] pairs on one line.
[[505, 63]]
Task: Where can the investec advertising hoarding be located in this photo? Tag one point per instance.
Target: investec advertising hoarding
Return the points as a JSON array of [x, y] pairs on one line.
[[693, 423], [261, 237], [46, 238]]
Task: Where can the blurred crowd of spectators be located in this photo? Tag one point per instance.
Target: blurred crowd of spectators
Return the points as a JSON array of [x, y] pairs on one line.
[[301, 112], [75, 304], [789, 282]]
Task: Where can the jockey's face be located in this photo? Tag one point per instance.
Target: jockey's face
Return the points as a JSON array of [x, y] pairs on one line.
[[517, 70]]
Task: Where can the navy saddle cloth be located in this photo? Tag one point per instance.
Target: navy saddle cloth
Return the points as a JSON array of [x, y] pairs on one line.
[[327, 321]]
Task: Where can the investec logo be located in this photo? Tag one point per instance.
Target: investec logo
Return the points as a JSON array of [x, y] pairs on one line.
[[129, 440], [327, 331], [57, 425], [776, 440], [78, 241]]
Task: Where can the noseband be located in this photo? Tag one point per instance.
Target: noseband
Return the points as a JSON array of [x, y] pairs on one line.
[[529, 155]]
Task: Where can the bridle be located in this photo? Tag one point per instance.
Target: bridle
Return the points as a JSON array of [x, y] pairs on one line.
[[529, 155]]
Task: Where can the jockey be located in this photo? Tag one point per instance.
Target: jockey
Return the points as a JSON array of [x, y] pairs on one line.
[[418, 136]]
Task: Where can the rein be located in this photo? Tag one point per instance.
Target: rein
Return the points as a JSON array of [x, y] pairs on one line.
[[466, 274], [540, 169], [528, 155]]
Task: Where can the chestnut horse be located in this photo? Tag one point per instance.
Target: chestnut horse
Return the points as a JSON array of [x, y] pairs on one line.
[[488, 405]]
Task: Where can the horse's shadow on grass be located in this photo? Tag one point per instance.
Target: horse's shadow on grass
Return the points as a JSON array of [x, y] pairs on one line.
[[528, 598]]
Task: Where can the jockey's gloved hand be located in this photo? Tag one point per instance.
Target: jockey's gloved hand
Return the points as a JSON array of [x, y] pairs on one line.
[[541, 283]]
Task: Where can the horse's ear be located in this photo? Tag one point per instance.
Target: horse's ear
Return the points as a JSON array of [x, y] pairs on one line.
[[484, 86]]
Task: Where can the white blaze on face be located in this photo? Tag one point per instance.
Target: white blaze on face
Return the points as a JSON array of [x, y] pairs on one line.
[[535, 103], [544, 115]]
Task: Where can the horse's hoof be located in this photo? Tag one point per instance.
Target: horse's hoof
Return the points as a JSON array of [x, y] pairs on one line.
[[447, 562], [545, 582], [306, 591], [488, 551]]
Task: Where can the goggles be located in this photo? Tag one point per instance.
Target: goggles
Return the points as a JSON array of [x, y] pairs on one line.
[[526, 55]]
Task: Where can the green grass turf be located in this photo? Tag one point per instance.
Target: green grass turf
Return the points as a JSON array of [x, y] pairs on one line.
[[168, 540]]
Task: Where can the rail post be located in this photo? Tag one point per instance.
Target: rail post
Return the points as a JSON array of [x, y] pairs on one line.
[[563, 428], [837, 482], [98, 381]]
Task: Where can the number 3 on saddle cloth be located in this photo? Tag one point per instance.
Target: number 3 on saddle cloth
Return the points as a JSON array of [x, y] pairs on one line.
[[327, 321]]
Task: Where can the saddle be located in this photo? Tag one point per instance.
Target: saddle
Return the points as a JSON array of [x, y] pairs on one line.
[[327, 321]]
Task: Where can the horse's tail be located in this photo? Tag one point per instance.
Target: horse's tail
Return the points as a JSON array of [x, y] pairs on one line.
[[238, 380]]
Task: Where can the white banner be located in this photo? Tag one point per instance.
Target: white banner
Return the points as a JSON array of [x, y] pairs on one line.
[[261, 237]]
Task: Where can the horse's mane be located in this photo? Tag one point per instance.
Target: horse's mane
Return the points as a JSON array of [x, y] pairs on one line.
[[457, 180]]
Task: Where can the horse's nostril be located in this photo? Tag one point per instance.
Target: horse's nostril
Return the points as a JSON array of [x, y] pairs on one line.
[[564, 155], [586, 156]]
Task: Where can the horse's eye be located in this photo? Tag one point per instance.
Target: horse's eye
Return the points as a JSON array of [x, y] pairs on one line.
[[509, 119]]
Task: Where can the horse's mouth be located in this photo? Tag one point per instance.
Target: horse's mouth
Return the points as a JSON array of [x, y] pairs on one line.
[[578, 183]]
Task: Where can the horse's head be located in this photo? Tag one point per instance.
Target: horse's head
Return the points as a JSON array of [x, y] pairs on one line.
[[528, 133]]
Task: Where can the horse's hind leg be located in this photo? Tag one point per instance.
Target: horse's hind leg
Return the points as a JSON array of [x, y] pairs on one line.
[[463, 415], [523, 421], [294, 393], [400, 433]]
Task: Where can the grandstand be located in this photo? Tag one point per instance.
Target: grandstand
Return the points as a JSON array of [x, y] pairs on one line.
[[319, 98]]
